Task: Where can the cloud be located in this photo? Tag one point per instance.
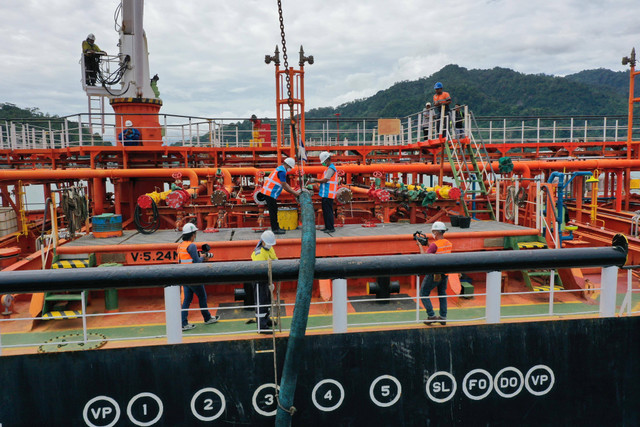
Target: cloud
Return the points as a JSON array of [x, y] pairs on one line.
[[210, 55]]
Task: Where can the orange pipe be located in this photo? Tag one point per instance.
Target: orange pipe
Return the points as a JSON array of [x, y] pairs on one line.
[[53, 174], [573, 165], [358, 190], [523, 168]]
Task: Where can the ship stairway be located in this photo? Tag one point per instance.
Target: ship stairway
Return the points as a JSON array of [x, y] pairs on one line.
[[56, 304], [96, 114], [472, 172], [536, 280]]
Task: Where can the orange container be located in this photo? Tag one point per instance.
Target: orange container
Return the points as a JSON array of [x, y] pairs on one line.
[[8, 256]]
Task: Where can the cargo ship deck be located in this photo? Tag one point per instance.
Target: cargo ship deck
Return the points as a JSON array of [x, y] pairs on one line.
[[139, 318]]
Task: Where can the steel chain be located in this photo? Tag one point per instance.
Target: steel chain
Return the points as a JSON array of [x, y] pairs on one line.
[[285, 57]]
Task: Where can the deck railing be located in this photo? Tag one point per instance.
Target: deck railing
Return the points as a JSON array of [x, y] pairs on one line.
[[495, 310], [339, 320], [80, 130]]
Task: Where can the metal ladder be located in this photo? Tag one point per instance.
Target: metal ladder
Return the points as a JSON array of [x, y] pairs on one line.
[[471, 168], [96, 114]]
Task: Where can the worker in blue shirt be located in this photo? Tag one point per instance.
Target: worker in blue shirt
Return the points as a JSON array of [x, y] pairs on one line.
[[130, 136], [271, 189]]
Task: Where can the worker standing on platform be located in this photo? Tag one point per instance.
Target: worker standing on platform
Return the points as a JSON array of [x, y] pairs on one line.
[[130, 136], [441, 99], [263, 252], [328, 190], [427, 119], [439, 246], [92, 54], [272, 188], [188, 254], [458, 118]]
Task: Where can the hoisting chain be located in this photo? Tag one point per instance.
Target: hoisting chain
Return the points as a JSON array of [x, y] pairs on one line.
[[286, 59], [292, 121]]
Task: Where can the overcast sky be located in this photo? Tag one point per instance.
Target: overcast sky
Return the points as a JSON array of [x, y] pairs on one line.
[[210, 54]]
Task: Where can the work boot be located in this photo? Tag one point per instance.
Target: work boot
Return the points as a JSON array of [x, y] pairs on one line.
[[271, 322], [214, 319], [431, 320], [442, 320]]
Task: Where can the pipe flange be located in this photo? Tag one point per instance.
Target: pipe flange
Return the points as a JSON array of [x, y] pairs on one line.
[[344, 195], [257, 200], [219, 197]]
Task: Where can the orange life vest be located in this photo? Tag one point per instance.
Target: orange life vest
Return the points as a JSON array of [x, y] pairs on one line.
[[444, 246], [329, 189], [183, 255], [272, 185]]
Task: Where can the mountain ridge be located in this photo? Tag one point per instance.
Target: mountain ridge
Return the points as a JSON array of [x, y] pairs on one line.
[[488, 92]]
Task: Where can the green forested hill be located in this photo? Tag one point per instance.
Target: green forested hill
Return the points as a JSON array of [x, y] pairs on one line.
[[498, 92], [614, 80], [494, 92], [10, 111], [41, 121]]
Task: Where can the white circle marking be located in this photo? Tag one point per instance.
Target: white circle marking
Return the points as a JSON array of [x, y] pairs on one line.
[[552, 382], [453, 390], [254, 399], [324, 408], [496, 385], [148, 423], [375, 382], [486, 393], [98, 398], [195, 412]]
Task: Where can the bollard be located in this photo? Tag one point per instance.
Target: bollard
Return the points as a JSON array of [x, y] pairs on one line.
[[172, 314], [494, 279], [608, 291], [339, 305]]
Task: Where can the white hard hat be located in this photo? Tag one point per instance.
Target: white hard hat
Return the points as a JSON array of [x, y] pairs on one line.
[[268, 238], [128, 123], [290, 162], [189, 228], [324, 156], [91, 37], [438, 226]]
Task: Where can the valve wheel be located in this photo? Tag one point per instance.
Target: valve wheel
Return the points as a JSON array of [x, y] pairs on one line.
[[377, 174]]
